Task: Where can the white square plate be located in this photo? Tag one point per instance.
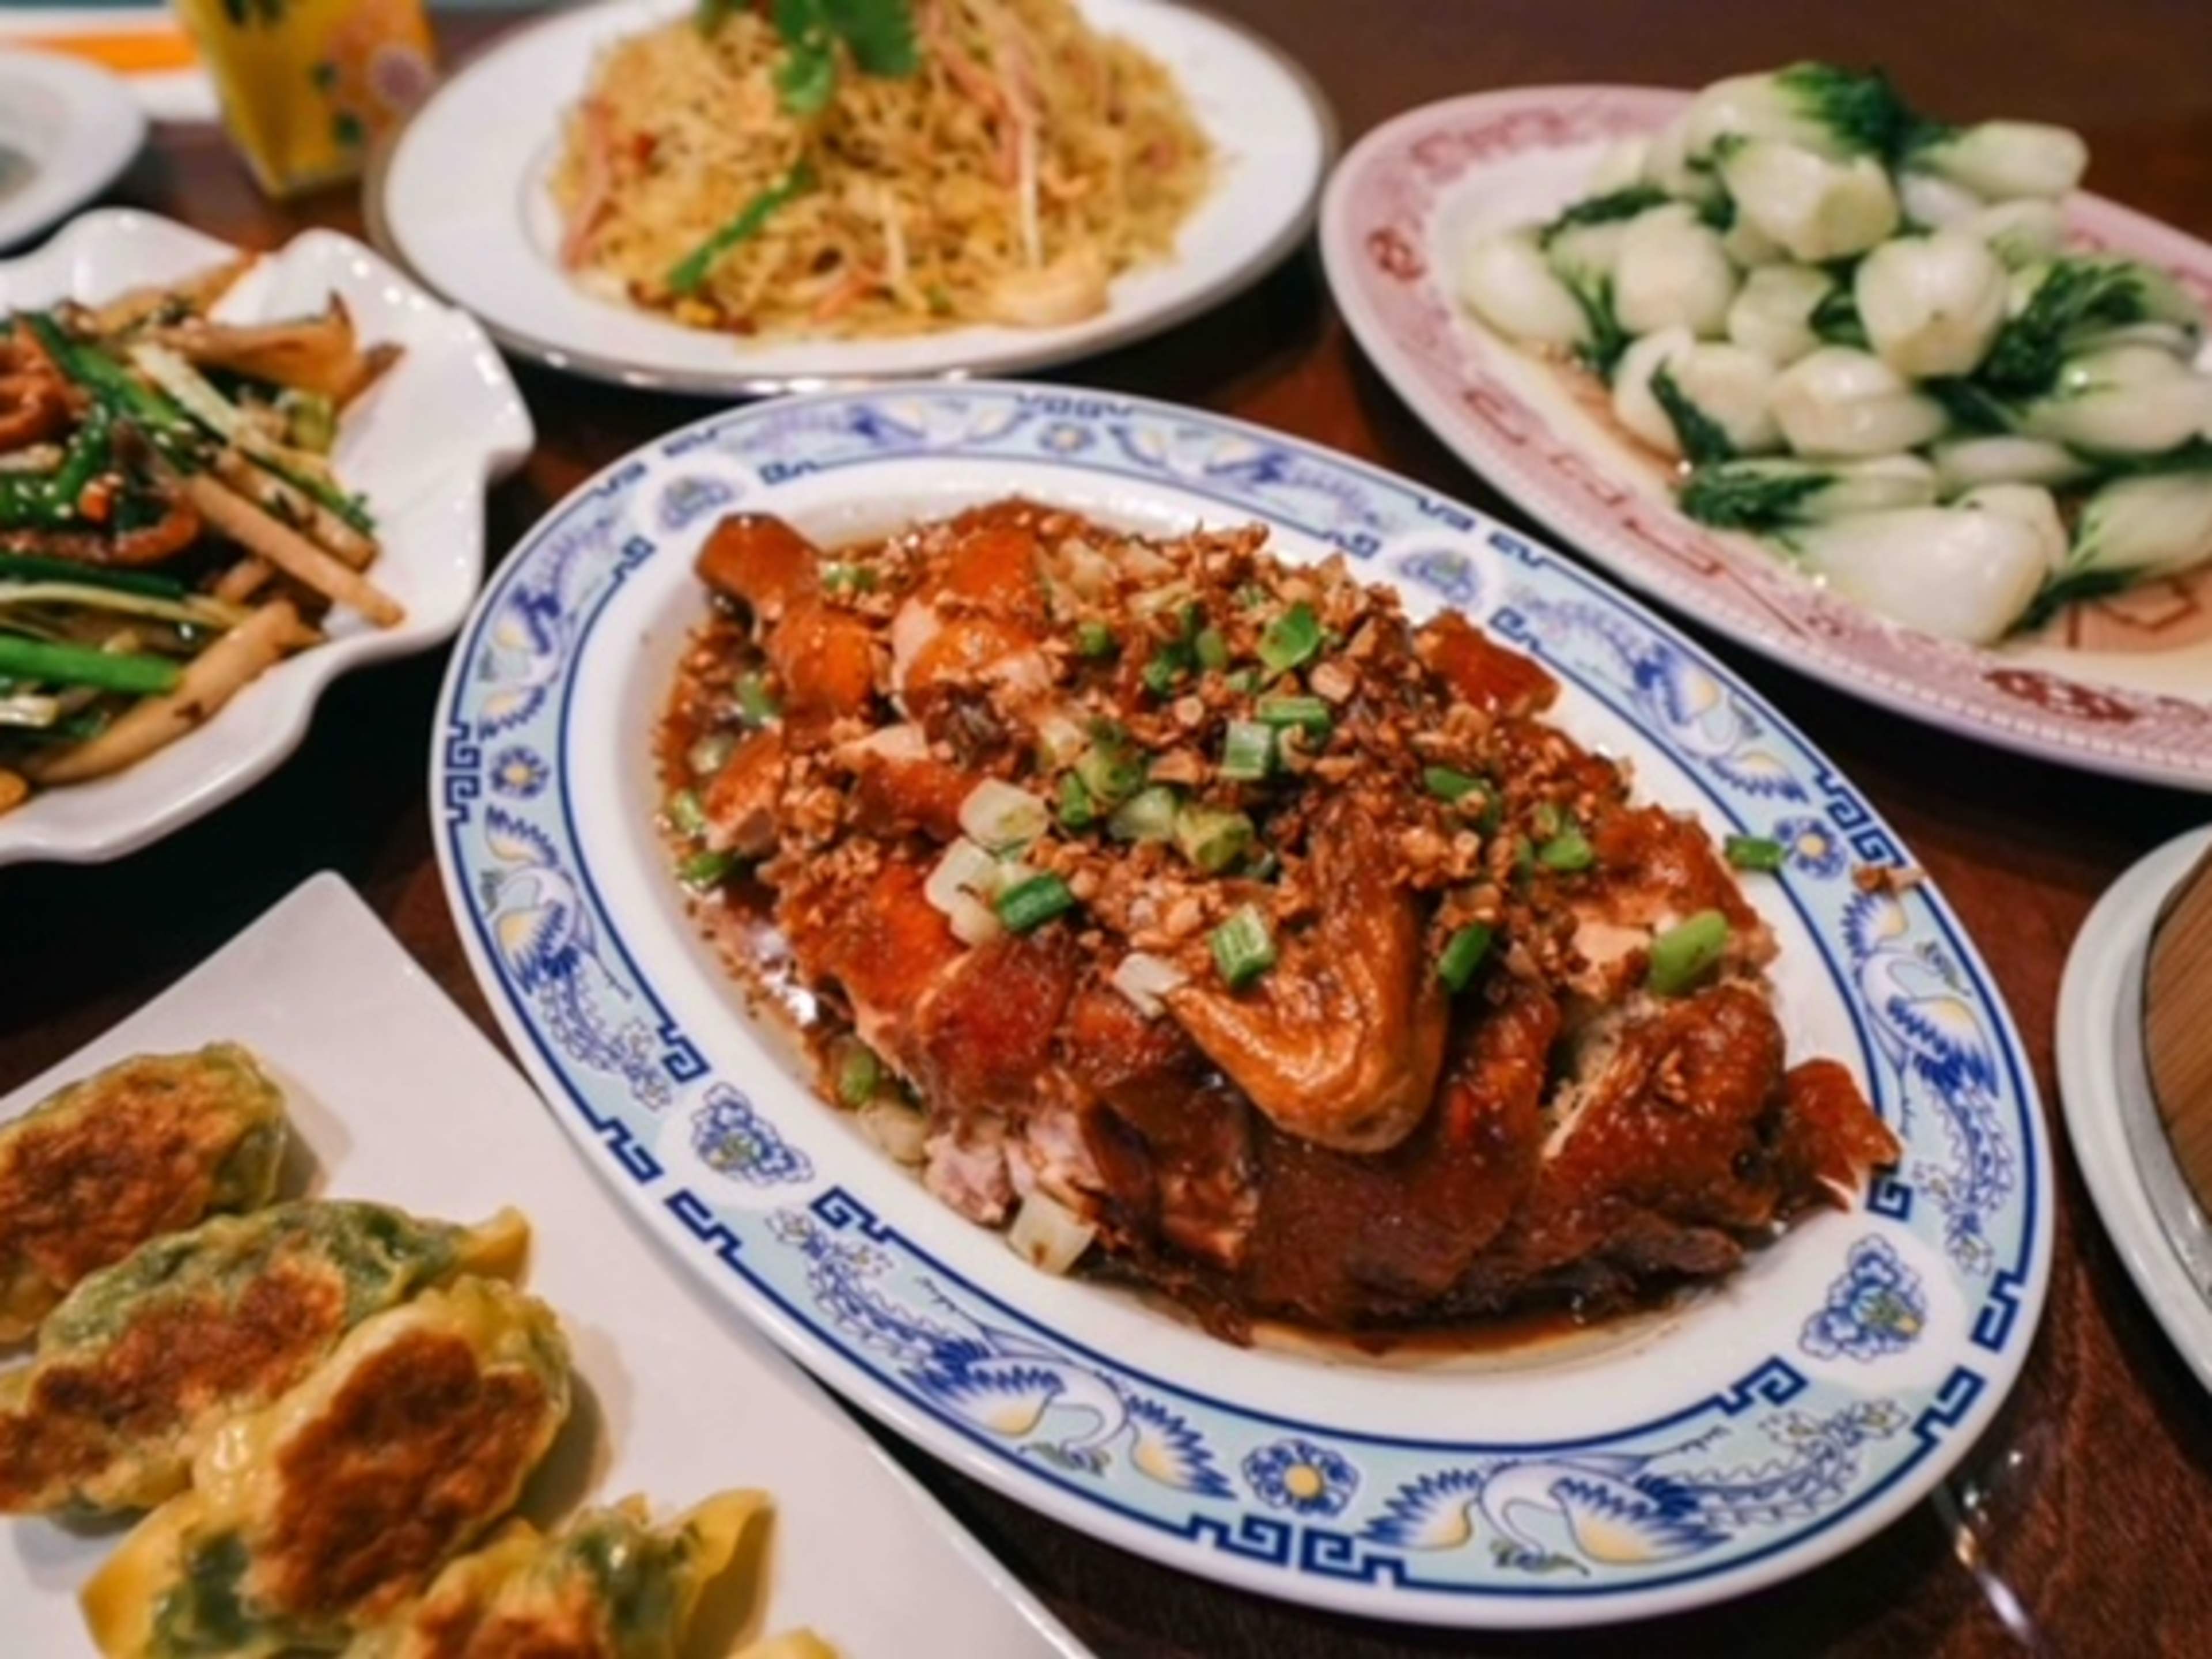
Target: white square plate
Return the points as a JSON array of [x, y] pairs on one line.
[[423, 445], [398, 1098]]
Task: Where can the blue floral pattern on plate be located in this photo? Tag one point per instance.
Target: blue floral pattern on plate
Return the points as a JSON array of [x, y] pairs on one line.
[[730, 1136], [518, 773], [1878, 1307], [1779, 1461], [1812, 847], [1297, 1474]]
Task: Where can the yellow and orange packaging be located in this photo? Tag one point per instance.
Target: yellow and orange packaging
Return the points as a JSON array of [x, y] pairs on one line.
[[308, 85]]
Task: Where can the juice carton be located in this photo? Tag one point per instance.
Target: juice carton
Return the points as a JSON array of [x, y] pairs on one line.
[[306, 85]]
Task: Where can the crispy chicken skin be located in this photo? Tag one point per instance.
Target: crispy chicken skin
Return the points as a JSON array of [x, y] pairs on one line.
[[1490, 676], [1340, 1045], [145, 1147], [1347, 999]]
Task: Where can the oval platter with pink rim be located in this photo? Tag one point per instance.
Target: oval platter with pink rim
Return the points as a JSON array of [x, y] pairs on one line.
[[2123, 685], [1681, 1457]]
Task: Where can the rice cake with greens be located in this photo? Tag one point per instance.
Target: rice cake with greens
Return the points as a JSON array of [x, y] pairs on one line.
[[147, 1359], [327, 1512], [609, 1585], [147, 1146]]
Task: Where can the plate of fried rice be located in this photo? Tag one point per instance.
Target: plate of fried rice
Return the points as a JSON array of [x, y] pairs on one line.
[[724, 198]]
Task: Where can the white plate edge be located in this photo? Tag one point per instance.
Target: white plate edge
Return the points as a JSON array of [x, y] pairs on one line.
[[2098, 1038]]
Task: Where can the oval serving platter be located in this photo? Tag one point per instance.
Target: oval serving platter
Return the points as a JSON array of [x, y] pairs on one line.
[[2123, 685], [1671, 1460]]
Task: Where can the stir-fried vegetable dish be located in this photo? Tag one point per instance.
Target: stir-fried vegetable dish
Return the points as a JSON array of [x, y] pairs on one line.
[[170, 523], [1862, 336], [1200, 918]]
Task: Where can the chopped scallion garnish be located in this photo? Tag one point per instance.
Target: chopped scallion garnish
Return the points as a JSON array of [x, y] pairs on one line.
[[1308, 714], [1567, 851], [1687, 953], [1149, 814], [859, 1074], [1210, 648], [1248, 751], [1211, 838], [706, 869], [754, 700], [1446, 784], [1030, 904], [711, 753], [685, 815], [1165, 668], [1111, 771], [1463, 953], [1095, 640], [1243, 946], [1291, 639], [1077, 810], [1754, 853], [1524, 855]]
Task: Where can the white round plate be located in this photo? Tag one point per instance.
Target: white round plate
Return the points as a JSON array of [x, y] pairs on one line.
[[66, 129], [462, 197], [2111, 1115], [1667, 1461], [2126, 686], [423, 445]]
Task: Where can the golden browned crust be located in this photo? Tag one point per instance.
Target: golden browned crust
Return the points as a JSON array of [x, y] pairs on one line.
[[419, 1449], [138, 1151], [168, 1366]]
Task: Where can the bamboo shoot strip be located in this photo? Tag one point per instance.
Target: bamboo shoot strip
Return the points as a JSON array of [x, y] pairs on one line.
[[290, 551], [209, 681], [294, 507]]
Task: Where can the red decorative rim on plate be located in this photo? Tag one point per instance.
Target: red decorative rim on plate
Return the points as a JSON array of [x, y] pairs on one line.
[[1377, 242]]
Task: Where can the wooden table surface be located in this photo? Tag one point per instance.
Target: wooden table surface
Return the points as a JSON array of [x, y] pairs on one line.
[[2098, 1478]]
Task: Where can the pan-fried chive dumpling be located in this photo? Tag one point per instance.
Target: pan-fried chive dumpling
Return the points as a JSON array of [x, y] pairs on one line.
[[145, 1360], [609, 1585], [147, 1146], [325, 1512]]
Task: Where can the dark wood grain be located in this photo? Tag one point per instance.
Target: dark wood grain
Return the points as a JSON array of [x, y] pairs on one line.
[[2098, 1476]]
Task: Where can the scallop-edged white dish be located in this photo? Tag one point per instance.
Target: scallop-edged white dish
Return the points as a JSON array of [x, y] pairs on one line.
[[2111, 1113], [67, 129], [2121, 685], [397, 1098], [462, 197], [423, 445], [1655, 1464]]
